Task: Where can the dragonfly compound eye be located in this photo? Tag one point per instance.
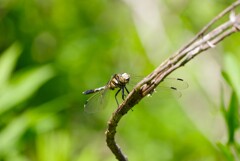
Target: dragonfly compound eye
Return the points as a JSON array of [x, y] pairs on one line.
[[126, 76]]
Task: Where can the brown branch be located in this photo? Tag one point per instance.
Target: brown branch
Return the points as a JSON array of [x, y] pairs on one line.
[[201, 42]]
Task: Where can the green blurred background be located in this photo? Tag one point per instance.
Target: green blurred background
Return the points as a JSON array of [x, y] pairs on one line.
[[53, 50]]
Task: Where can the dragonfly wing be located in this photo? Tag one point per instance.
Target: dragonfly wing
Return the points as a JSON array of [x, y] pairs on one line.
[[176, 83], [96, 102], [166, 93], [167, 89]]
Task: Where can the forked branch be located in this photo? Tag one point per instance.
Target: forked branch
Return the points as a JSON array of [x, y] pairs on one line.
[[204, 40]]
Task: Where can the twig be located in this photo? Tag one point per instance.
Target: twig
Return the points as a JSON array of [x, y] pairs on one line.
[[202, 41]]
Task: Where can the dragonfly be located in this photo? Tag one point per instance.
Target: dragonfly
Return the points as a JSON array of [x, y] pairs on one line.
[[120, 82]]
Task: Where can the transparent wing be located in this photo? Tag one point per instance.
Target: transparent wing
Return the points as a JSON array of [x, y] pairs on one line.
[[96, 102], [168, 88], [166, 93], [176, 83], [134, 80]]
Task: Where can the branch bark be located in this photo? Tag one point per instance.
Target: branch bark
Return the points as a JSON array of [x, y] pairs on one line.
[[204, 40]]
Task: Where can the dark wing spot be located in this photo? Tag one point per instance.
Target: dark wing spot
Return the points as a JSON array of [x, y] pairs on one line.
[[179, 79], [173, 88]]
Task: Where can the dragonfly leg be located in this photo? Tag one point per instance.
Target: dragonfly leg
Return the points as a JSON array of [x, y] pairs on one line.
[[123, 95], [116, 96], [126, 89]]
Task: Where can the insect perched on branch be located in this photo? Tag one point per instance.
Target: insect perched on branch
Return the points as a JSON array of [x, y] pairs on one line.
[[119, 82]]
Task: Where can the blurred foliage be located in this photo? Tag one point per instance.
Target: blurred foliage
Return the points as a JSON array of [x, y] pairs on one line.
[[51, 51], [231, 113]]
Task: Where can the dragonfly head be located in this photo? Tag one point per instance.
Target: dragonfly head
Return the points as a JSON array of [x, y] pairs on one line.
[[125, 77]]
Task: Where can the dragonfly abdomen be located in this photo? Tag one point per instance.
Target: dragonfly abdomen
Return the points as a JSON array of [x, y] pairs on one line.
[[94, 90]]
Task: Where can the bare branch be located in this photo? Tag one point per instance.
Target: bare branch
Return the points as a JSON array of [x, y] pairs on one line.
[[202, 41]]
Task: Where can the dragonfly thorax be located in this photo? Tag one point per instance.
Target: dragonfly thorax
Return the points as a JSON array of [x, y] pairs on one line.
[[119, 80]]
